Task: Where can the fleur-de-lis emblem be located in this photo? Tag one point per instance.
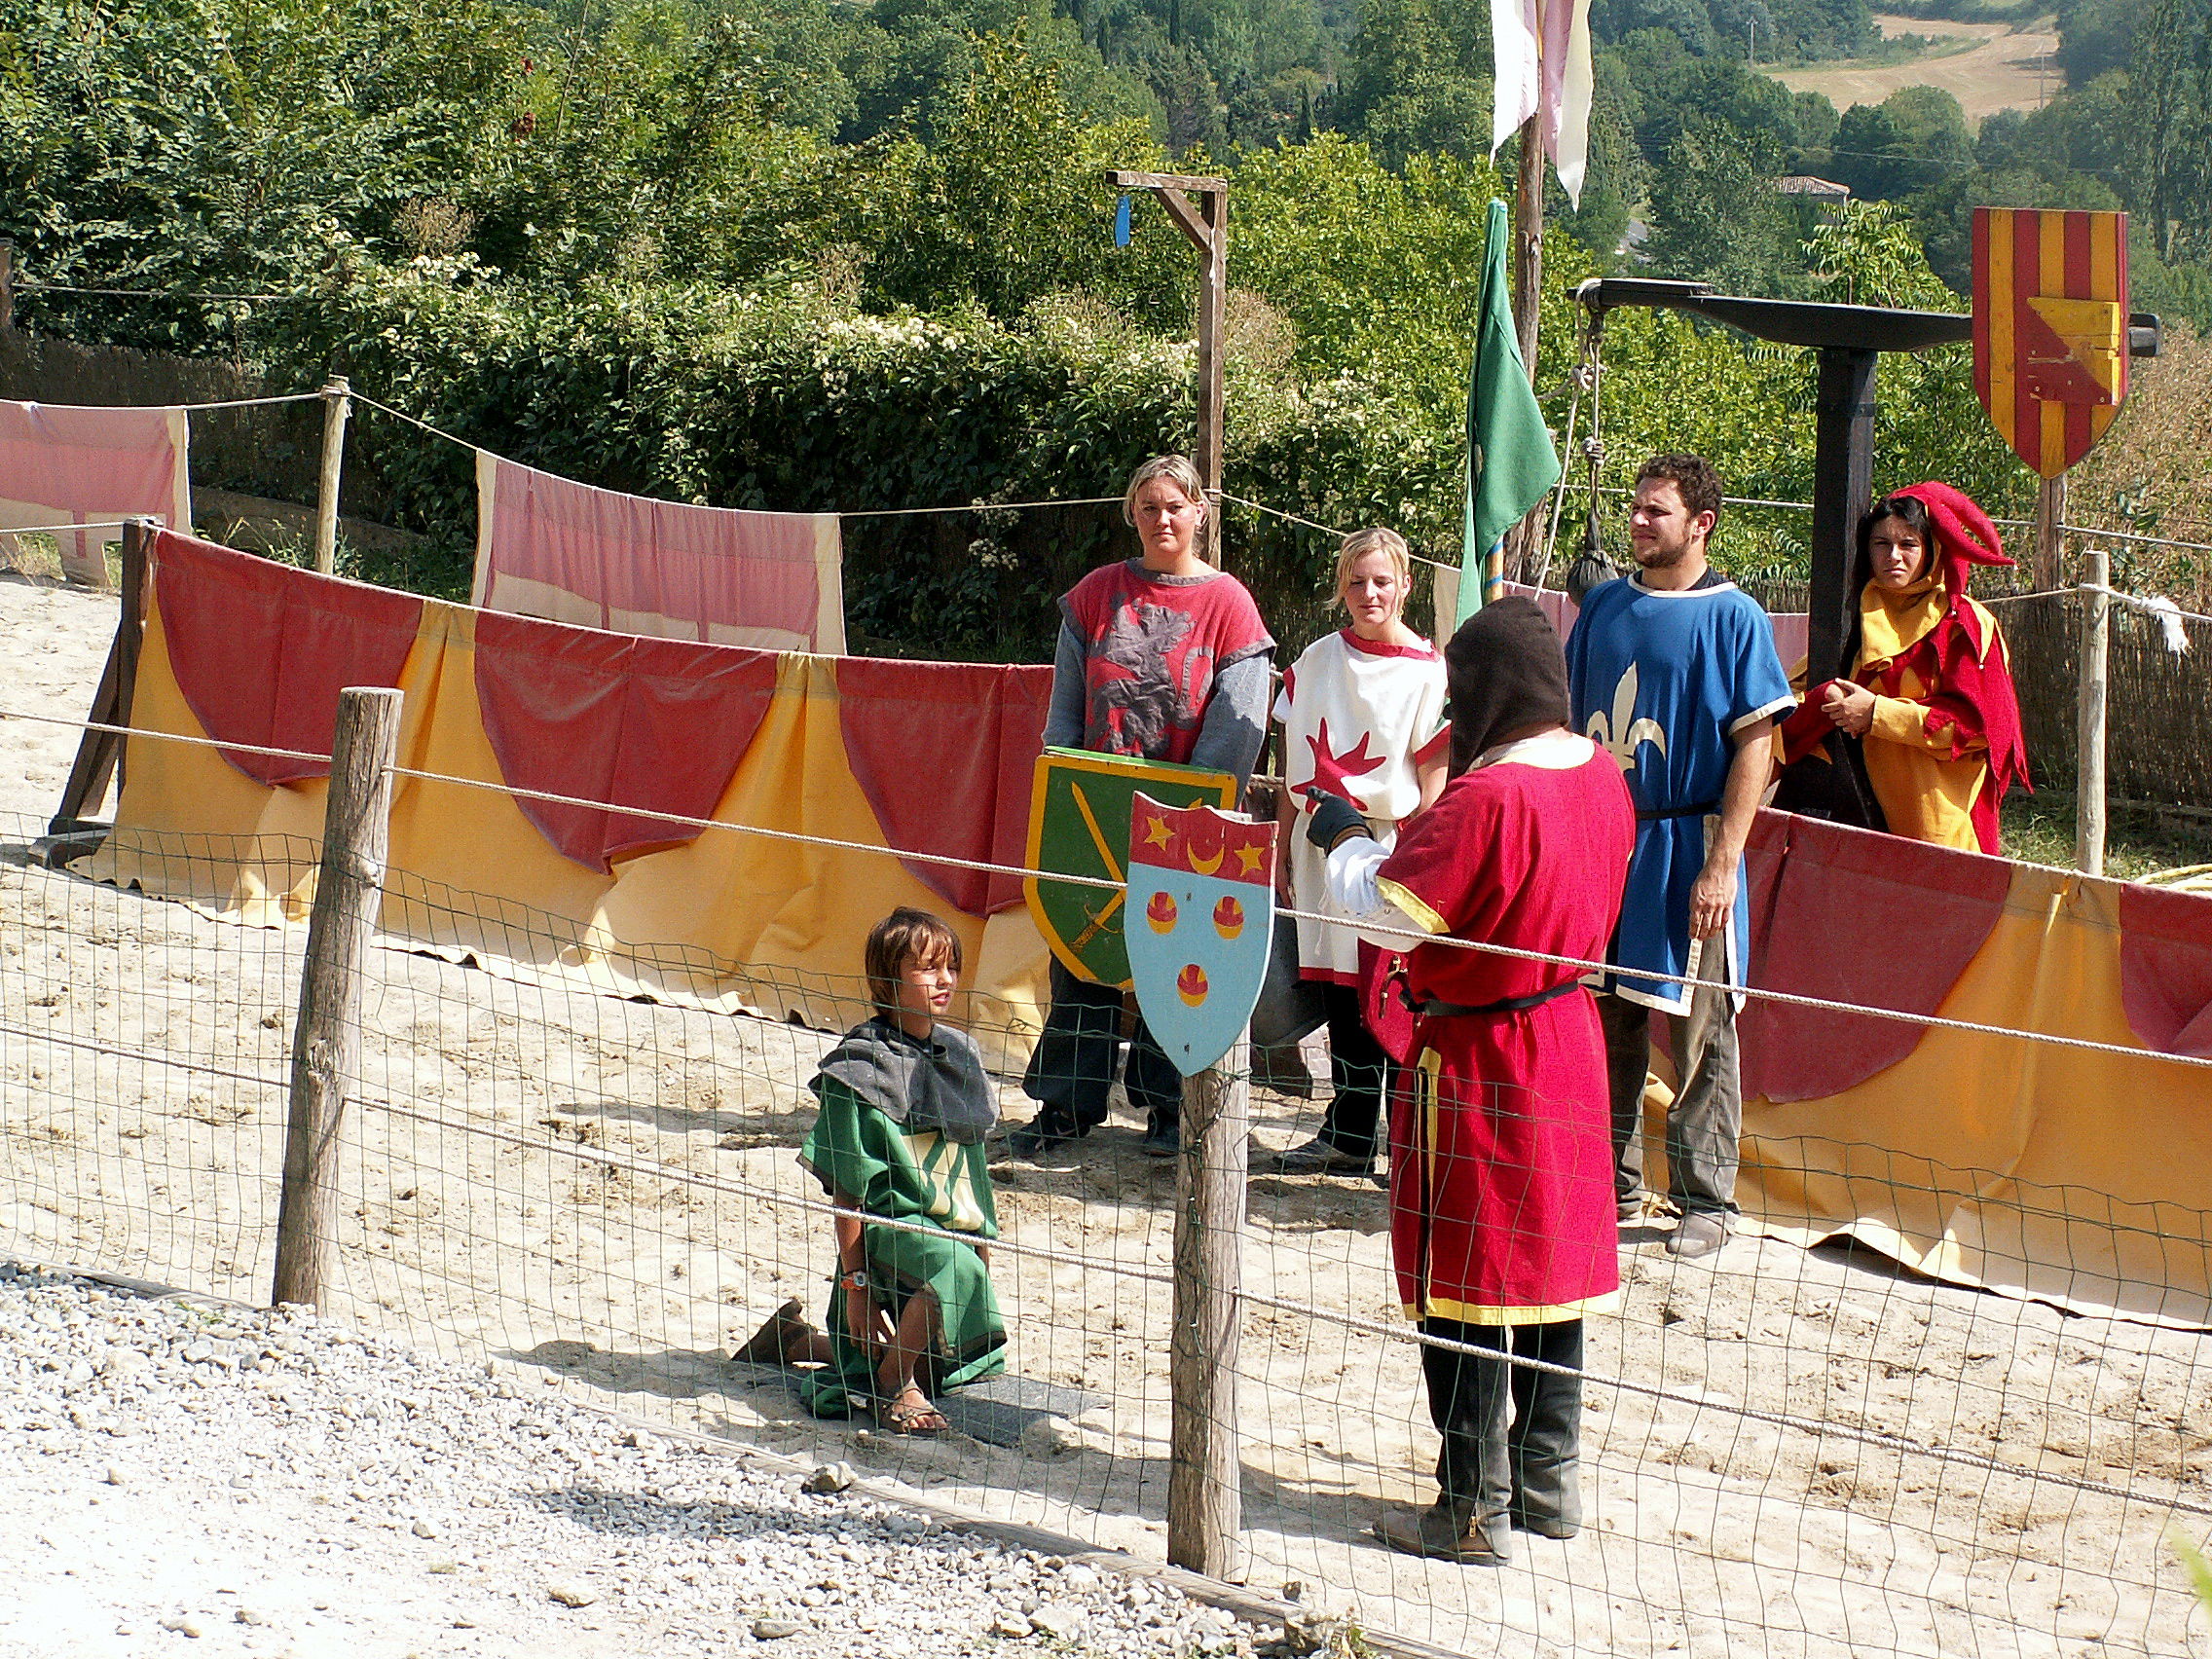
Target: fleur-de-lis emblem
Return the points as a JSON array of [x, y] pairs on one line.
[[1617, 733]]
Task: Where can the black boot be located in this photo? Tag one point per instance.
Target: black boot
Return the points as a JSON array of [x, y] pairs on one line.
[[1446, 1530], [1547, 1440], [1470, 1401]]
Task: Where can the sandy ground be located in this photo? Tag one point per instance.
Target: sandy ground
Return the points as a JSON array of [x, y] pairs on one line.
[[604, 1194], [2003, 68]]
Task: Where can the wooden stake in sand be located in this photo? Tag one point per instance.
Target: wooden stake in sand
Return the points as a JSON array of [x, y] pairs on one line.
[[1206, 1510], [100, 754], [326, 1043]]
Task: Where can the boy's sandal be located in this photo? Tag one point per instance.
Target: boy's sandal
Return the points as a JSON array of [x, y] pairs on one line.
[[772, 1341], [911, 1412]]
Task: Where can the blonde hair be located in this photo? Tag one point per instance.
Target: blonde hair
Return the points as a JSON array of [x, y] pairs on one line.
[[1178, 469], [1373, 540]]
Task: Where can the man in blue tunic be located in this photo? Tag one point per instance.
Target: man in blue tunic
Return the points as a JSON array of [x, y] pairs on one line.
[[1674, 671]]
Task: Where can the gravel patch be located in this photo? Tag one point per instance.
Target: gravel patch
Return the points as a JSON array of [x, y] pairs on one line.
[[180, 1478]]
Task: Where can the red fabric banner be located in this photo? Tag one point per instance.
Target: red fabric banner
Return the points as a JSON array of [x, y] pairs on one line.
[[2166, 968], [1855, 916], [261, 649], [658, 725], [944, 752]]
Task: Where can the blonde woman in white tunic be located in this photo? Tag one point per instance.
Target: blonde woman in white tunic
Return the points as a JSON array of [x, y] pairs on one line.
[[1363, 717]]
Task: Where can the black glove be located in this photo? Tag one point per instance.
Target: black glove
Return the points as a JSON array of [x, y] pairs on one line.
[[1331, 819]]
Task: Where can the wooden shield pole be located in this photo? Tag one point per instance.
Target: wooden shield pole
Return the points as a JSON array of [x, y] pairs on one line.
[[1205, 226], [2050, 533], [326, 1041], [1524, 540], [2089, 718], [1205, 1499]]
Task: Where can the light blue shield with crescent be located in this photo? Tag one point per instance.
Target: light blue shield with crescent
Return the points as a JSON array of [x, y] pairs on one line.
[[1201, 909]]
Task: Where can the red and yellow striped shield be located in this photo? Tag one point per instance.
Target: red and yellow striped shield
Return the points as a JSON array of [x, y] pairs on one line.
[[2049, 328]]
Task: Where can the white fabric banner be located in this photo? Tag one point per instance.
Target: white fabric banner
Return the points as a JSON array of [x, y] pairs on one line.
[[1541, 52]]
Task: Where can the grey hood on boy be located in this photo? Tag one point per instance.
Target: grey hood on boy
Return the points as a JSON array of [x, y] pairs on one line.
[[920, 1084]]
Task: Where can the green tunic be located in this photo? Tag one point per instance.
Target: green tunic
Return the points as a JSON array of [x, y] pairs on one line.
[[855, 1148]]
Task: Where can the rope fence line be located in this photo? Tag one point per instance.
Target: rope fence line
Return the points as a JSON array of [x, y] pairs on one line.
[[35, 285], [1410, 935], [2152, 606], [163, 736], [986, 867], [984, 507], [169, 1060], [382, 407], [1401, 1332], [58, 528]]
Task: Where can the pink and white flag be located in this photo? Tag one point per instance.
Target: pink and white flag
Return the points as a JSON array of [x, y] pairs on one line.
[[547, 547], [71, 464], [1542, 54]]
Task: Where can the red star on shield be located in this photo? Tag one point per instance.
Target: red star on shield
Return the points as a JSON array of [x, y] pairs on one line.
[[1331, 769]]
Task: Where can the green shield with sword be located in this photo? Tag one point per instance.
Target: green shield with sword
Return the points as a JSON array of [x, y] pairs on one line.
[[1079, 825]]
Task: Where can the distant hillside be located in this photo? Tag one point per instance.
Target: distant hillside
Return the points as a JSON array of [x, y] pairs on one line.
[[2002, 67]]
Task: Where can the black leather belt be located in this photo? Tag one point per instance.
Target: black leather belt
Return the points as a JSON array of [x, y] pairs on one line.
[[1700, 810], [1434, 1010]]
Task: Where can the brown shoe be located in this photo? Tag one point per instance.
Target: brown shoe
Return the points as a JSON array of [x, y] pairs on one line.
[[1700, 1233], [770, 1345], [1443, 1532]]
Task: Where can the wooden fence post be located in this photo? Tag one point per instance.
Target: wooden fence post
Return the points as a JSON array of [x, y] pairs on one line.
[[2090, 710], [1205, 1498], [337, 405], [326, 1042]]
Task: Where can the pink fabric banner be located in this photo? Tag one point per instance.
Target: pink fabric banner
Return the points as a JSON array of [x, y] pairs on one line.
[[567, 552], [64, 463]]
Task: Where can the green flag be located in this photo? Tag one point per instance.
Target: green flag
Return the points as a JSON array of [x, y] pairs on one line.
[[1510, 458]]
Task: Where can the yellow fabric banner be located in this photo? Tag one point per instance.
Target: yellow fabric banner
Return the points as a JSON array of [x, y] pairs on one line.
[[729, 921]]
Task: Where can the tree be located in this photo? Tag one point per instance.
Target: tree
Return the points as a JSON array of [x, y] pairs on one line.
[[2173, 80], [1715, 214], [1417, 78], [2096, 36], [1913, 139]]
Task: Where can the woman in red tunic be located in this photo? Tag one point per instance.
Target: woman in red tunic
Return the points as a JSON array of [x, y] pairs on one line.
[[1502, 1224]]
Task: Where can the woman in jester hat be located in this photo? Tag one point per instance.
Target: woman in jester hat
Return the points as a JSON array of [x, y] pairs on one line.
[[1930, 692], [905, 1104]]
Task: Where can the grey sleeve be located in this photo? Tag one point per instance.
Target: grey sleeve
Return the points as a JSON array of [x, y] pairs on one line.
[[1063, 722], [1235, 719]]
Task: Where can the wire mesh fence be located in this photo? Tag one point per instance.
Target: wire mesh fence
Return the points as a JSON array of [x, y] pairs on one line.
[[1794, 1452]]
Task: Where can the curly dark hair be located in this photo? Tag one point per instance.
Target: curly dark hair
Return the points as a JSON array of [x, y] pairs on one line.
[[1693, 475]]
